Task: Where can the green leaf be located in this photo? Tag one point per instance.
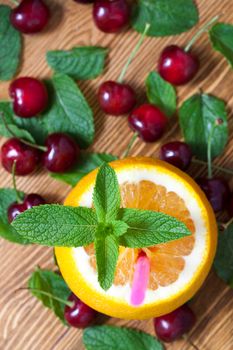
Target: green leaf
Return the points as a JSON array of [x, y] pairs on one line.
[[86, 163], [57, 225], [165, 17], [85, 62], [221, 36], [35, 126], [223, 262], [7, 197], [197, 116], [107, 252], [148, 228], [106, 196], [50, 282], [10, 43], [119, 228], [7, 232], [69, 111], [161, 93], [118, 338], [6, 109]]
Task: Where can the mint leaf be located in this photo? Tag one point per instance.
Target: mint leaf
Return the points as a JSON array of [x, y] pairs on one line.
[[221, 36], [7, 232], [119, 228], [86, 163], [106, 196], [57, 225], [107, 252], [51, 283], [148, 228], [85, 62], [69, 112], [161, 93], [35, 126], [223, 262], [10, 43], [6, 109], [7, 197], [165, 17], [197, 116], [118, 338]]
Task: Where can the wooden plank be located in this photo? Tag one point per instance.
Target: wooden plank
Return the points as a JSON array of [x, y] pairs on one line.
[[24, 323]]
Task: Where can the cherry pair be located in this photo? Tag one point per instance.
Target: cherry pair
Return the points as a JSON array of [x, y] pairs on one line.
[[60, 154]]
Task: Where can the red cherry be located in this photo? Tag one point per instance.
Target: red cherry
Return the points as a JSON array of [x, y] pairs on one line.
[[111, 16], [33, 200], [148, 121], [14, 210], [30, 16], [217, 192], [176, 153], [26, 157], [175, 324], [79, 315], [30, 97], [116, 98], [62, 153], [177, 66]]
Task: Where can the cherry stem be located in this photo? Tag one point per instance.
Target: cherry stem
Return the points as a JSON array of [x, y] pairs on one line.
[[35, 290], [217, 167], [189, 341], [133, 53], [130, 145], [227, 224], [200, 32], [41, 148], [14, 182]]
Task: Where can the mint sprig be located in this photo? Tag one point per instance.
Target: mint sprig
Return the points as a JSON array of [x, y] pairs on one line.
[[107, 226]]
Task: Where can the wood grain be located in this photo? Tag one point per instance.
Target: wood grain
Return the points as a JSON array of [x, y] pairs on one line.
[[24, 323]]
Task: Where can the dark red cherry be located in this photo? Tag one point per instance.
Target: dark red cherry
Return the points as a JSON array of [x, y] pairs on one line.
[[14, 210], [79, 315], [111, 16], [33, 200], [174, 325], [62, 153], [148, 121], [177, 153], [230, 206], [26, 157], [116, 98], [30, 16], [217, 192], [30, 97], [177, 66]]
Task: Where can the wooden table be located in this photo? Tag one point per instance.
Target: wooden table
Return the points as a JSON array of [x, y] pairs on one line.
[[24, 323]]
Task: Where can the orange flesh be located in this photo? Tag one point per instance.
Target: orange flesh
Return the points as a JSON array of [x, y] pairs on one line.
[[166, 260]]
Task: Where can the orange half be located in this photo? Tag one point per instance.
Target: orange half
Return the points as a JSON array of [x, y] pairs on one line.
[[177, 268]]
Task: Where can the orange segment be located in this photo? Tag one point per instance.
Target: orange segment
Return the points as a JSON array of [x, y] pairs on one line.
[[166, 259]]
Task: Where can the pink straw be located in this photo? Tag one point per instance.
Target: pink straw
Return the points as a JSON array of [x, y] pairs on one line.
[[140, 280]]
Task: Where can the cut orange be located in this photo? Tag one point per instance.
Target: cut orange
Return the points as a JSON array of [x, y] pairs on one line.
[[177, 268]]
